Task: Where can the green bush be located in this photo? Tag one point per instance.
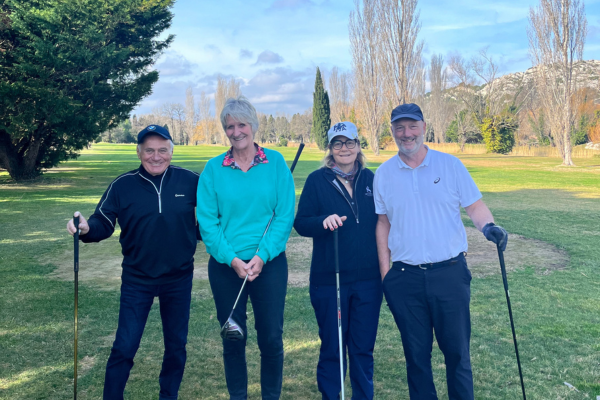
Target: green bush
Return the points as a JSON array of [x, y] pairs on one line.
[[283, 142], [498, 133], [364, 144]]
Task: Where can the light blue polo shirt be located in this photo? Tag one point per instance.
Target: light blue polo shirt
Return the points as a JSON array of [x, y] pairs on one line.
[[423, 207]]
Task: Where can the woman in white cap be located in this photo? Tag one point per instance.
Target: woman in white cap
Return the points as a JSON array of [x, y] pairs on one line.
[[340, 195]]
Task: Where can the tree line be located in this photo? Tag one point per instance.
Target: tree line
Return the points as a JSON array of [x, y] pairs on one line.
[[195, 122], [72, 71]]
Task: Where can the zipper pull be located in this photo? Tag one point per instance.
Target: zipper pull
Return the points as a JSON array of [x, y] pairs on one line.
[[357, 220]]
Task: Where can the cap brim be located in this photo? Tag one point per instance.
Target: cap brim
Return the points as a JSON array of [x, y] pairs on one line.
[[348, 135], [410, 116]]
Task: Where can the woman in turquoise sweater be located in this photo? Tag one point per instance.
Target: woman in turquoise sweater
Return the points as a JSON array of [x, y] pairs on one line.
[[238, 193]]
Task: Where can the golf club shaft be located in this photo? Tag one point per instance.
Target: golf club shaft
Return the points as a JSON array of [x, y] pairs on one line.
[[512, 324], [339, 308], [297, 157], [238, 296], [76, 272]]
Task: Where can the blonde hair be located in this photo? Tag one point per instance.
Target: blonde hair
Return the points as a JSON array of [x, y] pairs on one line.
[[328, 160], [240, 109]]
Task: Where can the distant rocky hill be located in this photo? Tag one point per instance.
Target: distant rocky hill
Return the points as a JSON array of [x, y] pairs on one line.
[[587, 75]]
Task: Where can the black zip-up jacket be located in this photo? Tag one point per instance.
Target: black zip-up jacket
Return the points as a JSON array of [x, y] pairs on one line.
[[157, 217], [321, 197]]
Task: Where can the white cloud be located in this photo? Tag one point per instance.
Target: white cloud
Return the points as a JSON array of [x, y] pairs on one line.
[[245, 53], [268, 57], [175, 64]]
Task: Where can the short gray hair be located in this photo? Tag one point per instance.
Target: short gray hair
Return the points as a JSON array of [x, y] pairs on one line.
[[240, 109]]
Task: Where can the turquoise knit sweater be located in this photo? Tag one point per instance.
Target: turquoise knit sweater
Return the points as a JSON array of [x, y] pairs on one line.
[[234, 208]]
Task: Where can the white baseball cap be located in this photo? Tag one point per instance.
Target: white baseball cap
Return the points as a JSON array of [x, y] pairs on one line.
[[347, 129]]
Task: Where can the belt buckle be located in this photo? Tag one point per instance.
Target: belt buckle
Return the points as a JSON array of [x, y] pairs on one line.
[[422, 267]]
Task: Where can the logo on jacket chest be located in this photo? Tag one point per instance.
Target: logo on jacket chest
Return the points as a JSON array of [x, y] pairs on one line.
[[180, 195], [368, 192]]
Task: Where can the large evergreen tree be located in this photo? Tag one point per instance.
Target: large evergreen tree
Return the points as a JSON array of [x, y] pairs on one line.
[[70, 70], [321, 117]]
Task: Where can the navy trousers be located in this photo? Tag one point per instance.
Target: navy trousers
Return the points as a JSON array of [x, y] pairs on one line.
[[429, 299], [267, 293], [136, 301], [360, 305]]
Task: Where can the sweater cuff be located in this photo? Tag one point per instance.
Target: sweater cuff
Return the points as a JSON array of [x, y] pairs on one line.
[[264, 255], [229, 258]]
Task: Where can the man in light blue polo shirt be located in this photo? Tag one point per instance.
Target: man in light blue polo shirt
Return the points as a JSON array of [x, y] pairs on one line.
[[418, 196]]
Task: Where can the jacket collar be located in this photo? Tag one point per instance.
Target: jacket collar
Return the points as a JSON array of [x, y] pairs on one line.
[[145, 173]]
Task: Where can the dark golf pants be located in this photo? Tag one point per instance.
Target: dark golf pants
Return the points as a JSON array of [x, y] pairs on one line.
[[360, 305], [427, 299], [136, 301], [267, 293]]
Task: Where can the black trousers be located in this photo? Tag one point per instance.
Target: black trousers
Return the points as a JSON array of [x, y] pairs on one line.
[[267, 293], [429, 299]]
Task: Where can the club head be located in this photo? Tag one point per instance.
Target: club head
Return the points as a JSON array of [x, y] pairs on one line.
[[232, 331]]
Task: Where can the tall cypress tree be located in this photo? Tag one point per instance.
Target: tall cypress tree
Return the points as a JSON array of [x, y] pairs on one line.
[[321, 117]]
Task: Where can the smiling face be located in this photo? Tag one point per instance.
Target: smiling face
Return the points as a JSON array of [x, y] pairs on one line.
[[344, 157], [409, 135], [155, 154], [239, 134]]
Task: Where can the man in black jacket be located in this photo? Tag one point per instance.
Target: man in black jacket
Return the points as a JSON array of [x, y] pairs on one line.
[[155, 208]]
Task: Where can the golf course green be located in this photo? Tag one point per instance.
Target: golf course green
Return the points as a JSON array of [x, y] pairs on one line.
[[556, 305]]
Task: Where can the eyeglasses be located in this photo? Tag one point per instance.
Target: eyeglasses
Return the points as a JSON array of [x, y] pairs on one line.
[[338, 144]]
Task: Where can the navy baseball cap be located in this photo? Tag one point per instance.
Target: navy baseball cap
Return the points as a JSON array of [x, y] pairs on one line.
[[409, 110], [153, 130]]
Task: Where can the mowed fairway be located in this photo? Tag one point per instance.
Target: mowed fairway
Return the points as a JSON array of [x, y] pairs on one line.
[[557, 312]]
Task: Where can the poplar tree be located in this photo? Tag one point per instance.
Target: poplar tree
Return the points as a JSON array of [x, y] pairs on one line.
[[321, 117]]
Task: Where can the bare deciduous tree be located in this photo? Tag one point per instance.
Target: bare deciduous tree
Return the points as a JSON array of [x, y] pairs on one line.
[[190, 116], [178, 112], [205, 128], [438, 108], [366, 62], [339, 95], [557, 30], [225, 90], [401, 59]]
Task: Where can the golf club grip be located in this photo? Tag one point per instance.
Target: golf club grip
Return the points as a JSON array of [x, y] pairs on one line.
[[502, 268], [297, 157], [336, 254], [76, 244]]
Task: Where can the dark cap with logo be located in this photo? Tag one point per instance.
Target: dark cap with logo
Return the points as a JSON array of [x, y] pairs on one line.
[[409, 110], [153, 130]]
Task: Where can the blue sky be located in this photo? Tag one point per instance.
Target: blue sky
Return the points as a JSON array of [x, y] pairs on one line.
[[274, 46]]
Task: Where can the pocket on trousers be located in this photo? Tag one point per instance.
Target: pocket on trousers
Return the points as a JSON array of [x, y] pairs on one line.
[[467, 270]]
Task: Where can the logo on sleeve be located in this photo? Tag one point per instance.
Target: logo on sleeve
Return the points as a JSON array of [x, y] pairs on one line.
[[369, 192], [436, 181]]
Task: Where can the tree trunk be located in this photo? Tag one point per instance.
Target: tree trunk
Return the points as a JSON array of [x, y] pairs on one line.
[[20, 166]]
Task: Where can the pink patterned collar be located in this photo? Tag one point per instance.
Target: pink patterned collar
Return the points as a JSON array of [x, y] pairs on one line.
[[259, 158]]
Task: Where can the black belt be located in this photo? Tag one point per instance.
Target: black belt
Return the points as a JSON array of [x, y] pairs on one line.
[[454, 260]]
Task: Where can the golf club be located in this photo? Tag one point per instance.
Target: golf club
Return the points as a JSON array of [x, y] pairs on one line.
[[76, 271], [231, 329], [339, 308], [512, 324]]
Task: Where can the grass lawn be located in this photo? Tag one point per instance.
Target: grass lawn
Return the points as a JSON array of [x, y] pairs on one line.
[[557, 314]]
